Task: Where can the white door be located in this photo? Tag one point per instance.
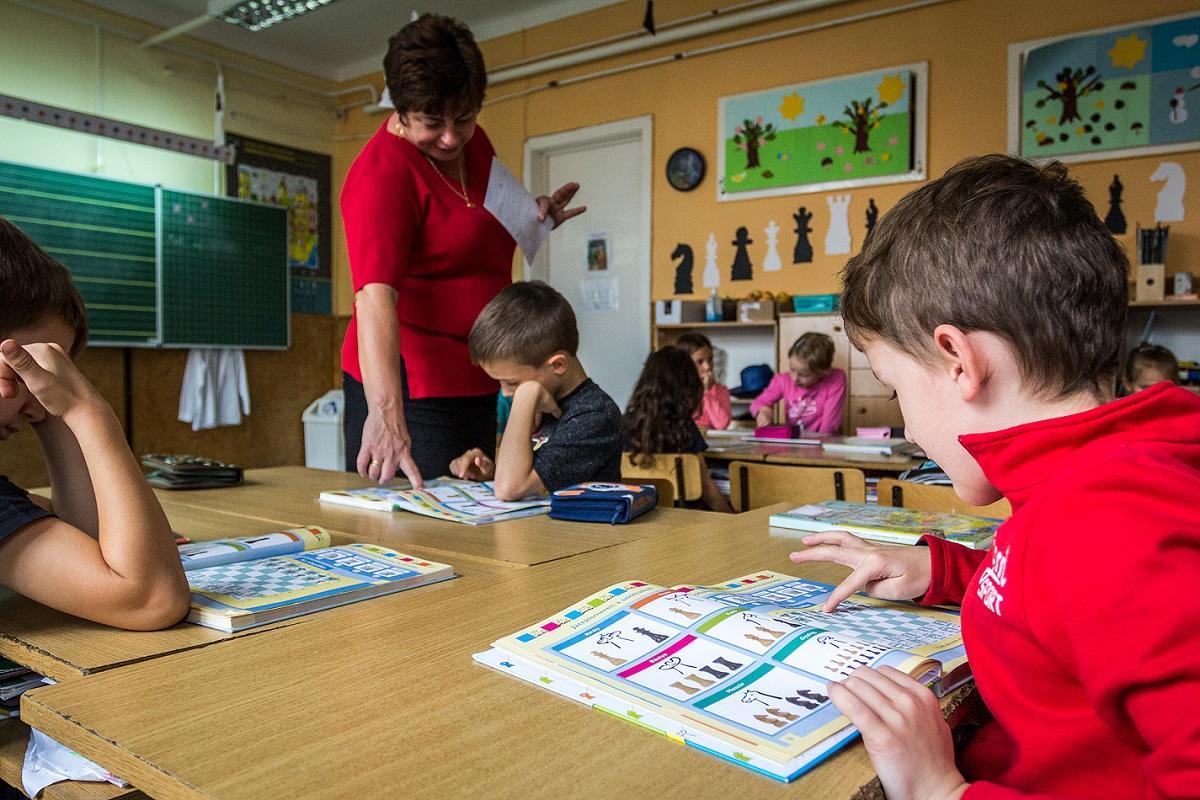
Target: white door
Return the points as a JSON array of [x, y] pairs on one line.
[[611, 164]]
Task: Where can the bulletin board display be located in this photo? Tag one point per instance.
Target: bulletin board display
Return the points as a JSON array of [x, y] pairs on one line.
[[157, 267], [225, 277], [104, 232]]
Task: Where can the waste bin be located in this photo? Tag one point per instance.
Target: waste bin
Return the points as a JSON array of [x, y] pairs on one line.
[[324, 442]]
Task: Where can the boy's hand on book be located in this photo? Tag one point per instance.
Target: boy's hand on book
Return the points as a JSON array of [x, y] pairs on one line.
[[888, 572], [904, 733], [51, 377], [473, 465]]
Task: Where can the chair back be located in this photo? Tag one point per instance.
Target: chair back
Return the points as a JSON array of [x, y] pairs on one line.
[[931, 497], [680, 470], [754, 485]]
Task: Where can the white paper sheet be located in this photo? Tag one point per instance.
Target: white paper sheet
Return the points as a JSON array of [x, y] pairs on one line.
[[515, 208]]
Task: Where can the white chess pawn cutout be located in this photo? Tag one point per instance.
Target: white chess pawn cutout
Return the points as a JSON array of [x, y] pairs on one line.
[[837, 238], [772, 263], [712, 273]]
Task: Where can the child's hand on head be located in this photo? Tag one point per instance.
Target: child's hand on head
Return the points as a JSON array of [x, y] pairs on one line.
[[473, 465], [884, 571], [904, 733], [544, 402], [49, 374]]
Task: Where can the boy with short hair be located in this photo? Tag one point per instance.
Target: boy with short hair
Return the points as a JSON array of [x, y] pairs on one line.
[[993, 301], [562, 429], [1146, 365], [105, 552]]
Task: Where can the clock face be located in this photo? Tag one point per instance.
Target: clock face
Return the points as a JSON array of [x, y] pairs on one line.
[[685, 169]]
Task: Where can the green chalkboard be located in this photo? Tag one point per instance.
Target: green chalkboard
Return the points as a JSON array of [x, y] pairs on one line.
[[158, 267], [104, 232], [225, 275]]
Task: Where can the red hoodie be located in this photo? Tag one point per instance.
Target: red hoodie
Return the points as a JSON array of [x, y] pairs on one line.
[[1082, 623]]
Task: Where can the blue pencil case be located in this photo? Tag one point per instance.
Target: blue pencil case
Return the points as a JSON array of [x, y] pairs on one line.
[[614, 503]]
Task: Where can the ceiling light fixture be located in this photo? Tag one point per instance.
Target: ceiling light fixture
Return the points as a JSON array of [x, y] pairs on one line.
[[256, 15]]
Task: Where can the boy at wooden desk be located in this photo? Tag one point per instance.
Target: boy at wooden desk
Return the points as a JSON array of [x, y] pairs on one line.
[[993, 301], [105, 551], [563, 429]]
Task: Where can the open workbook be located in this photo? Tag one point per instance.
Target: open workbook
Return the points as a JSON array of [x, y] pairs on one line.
[[738, 669], [469, 502], [254, 580], [889, 524]]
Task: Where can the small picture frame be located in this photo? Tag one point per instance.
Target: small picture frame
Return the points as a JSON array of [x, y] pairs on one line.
[[685, 169], [597, 252]]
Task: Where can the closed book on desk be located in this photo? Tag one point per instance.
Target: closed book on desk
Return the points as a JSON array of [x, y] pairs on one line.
[[889, 524], [861, 445], [738, 670], [614, 503], [216, 552], [468, 502], [243, 594]]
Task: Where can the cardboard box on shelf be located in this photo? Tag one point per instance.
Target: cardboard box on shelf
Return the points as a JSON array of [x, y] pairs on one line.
[[668, 312]]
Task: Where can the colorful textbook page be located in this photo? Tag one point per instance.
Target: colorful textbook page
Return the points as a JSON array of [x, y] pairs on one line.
[[739, 669], [239, 595], [227, 551], [889, 524], [470, 502]]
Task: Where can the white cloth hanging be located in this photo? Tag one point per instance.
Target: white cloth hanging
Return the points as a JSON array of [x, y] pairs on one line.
[[215, 391]]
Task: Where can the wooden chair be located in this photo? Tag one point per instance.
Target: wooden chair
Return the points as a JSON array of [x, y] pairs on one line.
[[680, 471], [664, 487], [754, 485], [930, 497]]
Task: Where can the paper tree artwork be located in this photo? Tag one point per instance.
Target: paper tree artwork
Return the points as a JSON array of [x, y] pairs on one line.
[[837, 238], [772, 263], [1168, 206], [683, 270], [712, 273], [742, 269], [1128, 87], [1114, 220], [792, 138], [803, 252]]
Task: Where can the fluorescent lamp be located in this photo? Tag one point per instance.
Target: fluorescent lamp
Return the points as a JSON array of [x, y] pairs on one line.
[[255, 15]]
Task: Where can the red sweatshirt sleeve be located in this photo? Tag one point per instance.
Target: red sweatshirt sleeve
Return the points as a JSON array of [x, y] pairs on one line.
[[951, 568]]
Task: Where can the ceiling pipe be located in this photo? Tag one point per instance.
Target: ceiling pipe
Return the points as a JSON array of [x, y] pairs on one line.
[[716, 24]]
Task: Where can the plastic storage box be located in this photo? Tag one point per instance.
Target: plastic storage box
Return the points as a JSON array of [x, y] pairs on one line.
[[324, 442]]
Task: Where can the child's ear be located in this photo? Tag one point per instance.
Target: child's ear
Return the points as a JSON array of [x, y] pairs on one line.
[[964, 357], [557, 363]]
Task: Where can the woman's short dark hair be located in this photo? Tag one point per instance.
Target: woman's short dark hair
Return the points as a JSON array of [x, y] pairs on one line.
[[434, 66], [666, 397]]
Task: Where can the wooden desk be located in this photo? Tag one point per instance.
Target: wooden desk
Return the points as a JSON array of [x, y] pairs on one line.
[[287, 497], [372, 697], [807, 456]]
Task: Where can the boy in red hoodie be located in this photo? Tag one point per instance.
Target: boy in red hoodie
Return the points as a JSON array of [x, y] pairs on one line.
[[993, 301]]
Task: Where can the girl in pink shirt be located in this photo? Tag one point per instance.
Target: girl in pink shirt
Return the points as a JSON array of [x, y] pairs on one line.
[[813, 394], [715, 407]]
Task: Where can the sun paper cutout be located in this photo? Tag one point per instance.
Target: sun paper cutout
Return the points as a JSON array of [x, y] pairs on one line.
[[791, 107], [890, 89], [1128, 51]]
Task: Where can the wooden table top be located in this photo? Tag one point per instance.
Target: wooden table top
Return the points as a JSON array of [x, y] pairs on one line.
[[64, 647], [384, 692], [287, 497], [806, 456]]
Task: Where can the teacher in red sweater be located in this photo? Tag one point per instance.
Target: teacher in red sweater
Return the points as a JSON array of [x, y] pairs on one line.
[[425, 258]]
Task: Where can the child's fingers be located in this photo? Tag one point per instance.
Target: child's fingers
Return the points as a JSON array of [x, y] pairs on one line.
[[872, 689], [20, 360]]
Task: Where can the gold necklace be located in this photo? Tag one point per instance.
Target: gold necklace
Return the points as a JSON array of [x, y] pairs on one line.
[[461, 180]]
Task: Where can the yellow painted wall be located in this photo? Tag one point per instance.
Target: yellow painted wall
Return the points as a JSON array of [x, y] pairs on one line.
[[964, 41]]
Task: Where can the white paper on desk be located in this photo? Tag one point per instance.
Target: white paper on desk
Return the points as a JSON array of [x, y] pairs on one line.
[[48, 761], [515, 208]]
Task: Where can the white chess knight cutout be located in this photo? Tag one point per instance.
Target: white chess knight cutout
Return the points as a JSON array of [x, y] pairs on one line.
[[1169, 205], [772, 263], [712, 273], [837, 239]]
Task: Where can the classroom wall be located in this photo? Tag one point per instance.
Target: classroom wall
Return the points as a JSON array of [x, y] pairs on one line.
[[69, 54], [965, 43]]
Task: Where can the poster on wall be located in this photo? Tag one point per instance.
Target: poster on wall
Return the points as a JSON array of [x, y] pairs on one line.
[[299, 181], [1111, 93], [852, 130]]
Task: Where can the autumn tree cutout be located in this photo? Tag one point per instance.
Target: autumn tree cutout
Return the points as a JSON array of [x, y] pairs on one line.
[[863, 118], [1072, 85]]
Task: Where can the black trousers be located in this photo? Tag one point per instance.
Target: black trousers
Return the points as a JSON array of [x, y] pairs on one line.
[[442, 428]]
